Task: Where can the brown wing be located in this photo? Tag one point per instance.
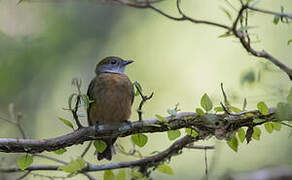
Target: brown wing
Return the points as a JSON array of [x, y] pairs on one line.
[[90, 94]]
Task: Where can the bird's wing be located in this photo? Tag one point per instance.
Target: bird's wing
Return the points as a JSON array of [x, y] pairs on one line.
[[90, 95], [132, 93]]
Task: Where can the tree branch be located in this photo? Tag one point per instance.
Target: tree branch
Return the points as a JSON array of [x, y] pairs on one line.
[[148, 162], [224, 122]]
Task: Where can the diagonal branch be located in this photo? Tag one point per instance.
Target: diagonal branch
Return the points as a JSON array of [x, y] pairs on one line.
[[150, 161]]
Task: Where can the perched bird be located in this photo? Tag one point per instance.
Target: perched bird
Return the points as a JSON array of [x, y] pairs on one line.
[[112, 93]]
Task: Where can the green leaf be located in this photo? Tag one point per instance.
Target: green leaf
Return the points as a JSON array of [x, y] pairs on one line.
[[277, 126], [206, 102], [276, 19], [263, 108], [235, 109], [191, 132], [269, 127], [165, 169], [25, 161], [200, 111], [66, 122], [256, 133], [233, 143], [108, 175], [218, 109], [289, 97], [86, 100], [161, 118], [241, 134], [121, 175], [289, 41], [258, 120], [173, 134], [70, 100], [60, 151], [74, 166], [100, 145], [225, 35], [284, 111], [139, 139]]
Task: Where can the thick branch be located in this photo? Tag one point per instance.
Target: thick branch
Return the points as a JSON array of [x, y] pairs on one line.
[[208, 123], [147, 162]]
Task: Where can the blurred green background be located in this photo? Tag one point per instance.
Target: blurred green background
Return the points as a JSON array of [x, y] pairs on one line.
[[44, 45]]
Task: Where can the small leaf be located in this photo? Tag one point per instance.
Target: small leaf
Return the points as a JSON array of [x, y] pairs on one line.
[[263, 108], [284, 112], [66, 122], [191, 132], [235, 109], [173, 134], [218, 109], [165, 169], [289, 41], [100, 145], [256, 133], [248, 134], [276, 19], [163, 119], [74, 166], [172, 112], [241, 134], [25, 161], [121, 175], [289, 97], [70, 100], [276, 126], [86, 100], [269, 127], [225, 35], [206, 102], [108, 175], [233, 143], [200, 111], [258, 120], [139, 139], [60, 151]]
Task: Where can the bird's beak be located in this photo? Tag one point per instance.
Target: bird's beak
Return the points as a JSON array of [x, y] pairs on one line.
[[126, 62]]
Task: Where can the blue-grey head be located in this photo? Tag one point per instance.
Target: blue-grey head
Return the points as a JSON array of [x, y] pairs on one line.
[[112, 64]]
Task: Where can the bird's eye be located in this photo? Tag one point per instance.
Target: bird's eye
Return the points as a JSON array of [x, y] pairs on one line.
[[113, 62]]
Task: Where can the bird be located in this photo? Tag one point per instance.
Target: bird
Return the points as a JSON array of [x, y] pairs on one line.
[[112, 94]]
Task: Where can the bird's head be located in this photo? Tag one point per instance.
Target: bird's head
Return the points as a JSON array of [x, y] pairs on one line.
[[112, 65]]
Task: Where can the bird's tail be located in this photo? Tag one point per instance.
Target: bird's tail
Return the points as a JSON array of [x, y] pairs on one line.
[[109, 150]]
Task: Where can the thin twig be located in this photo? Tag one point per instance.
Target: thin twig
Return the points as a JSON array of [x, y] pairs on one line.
[[285, 124], [206, 164], [50, 158], [24, 175], [86, 149], [286, 15]]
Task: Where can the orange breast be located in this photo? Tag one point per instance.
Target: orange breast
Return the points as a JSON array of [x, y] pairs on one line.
[[112, 95]]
